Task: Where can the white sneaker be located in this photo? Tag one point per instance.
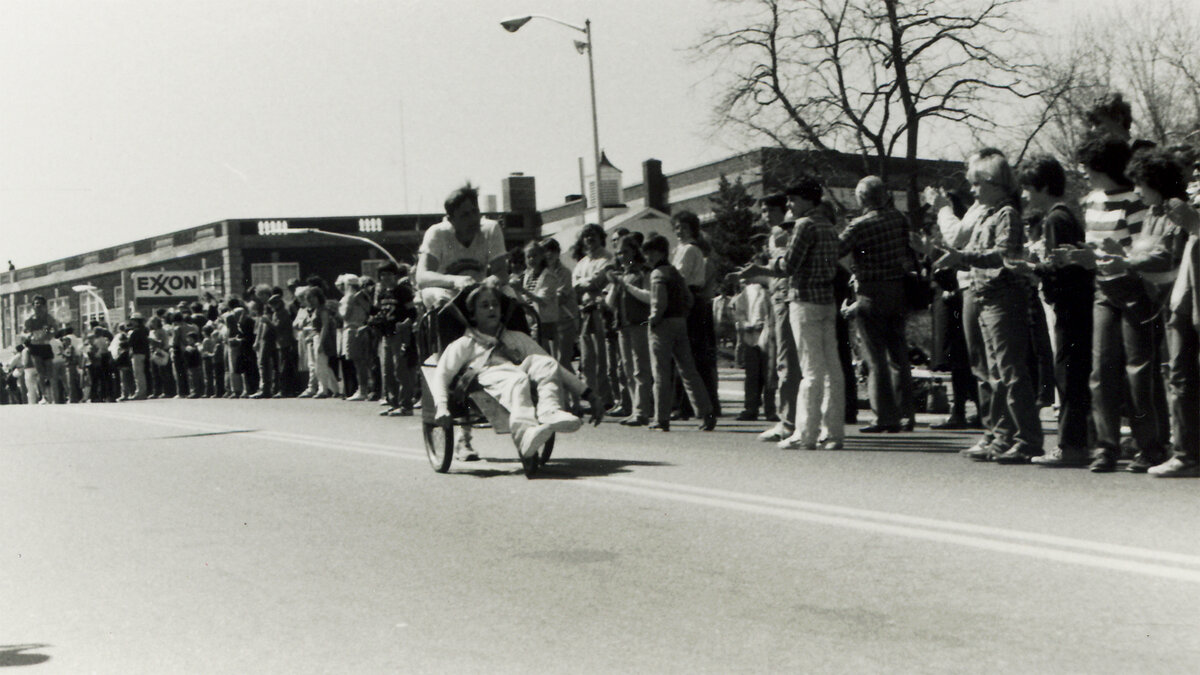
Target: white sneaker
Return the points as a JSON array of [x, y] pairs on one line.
[[1175, 468], [561, 420], [774, 434], [358, 396], [463, 452], [795, 443], [534, 438]]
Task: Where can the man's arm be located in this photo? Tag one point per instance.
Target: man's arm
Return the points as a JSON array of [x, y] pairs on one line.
[[427, 278]]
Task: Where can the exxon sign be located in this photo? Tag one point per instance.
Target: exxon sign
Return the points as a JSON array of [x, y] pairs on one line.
[[166, 284]]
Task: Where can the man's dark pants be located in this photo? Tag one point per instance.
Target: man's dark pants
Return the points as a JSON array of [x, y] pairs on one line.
[[1125, 351], [881, 318], [1073, 369]]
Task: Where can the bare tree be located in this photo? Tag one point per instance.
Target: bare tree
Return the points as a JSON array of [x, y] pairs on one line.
[[1147, 53], [865, 76]]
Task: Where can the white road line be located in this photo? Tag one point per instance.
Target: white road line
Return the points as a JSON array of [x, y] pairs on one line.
[[1101, 555]]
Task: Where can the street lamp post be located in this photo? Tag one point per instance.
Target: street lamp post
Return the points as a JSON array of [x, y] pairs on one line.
[[92, 291], [513, 25], [313, 230]]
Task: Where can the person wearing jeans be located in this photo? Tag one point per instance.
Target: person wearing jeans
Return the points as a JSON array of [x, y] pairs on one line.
[[669, 301], [633, 315], [877, 243], [1000, 297], [1069, 290], [810, 264]]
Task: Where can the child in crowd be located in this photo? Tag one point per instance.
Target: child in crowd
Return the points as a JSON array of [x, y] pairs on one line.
[[193, 361], [1165, 254], [751, 315], [209, 348]]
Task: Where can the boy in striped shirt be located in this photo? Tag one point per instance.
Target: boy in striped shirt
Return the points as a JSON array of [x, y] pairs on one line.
[[1126, 324]]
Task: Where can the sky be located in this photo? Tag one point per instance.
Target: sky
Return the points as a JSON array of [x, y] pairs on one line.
[[124, 119]]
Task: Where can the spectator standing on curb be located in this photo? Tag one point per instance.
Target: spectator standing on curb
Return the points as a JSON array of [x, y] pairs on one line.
[[395, 316], [1155, 255], [786, 367], [589, 278], [1003, 299], [877, 243], [1068, 289], [670, 300], [751, 315], [1183, 326], [810, 263], [139, 351], [633, 314], [1125, 325], [692, 264]]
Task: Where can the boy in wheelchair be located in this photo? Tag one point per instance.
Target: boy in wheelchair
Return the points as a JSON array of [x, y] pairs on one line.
[[510, 366]]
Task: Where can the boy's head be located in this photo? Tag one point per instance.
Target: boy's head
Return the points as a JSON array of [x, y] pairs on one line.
[[1104, 155], [208, 329], [804, 195], [656, 248], [1158, 176], [1043, 173], [1110, 114], [774, 208]]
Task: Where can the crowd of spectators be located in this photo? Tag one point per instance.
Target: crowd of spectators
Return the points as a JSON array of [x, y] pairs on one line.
[[1037, 299]]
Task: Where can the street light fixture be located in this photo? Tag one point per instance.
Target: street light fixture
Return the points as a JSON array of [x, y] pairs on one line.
[[313, 230], [514, 24], [94, 292]]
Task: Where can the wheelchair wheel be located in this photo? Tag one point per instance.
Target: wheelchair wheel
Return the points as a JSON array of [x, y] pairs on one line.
[[439, 446], [547, 449]]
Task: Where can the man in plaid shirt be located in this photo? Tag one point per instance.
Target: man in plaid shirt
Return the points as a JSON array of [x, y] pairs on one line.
[[810, 262], [877, 242]]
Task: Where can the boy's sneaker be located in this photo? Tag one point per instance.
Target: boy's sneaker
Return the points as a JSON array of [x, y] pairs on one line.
[[463, 451], [1060, 458], [1103, 461], [534, 439], [1175, 468], [1144, 461], [774, 434], [795, 443], [561, 420], [746, 416]]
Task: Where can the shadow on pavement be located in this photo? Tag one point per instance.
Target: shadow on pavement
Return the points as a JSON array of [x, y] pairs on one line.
[[570, 468], [907, 442], [11, 656], [567, 468]]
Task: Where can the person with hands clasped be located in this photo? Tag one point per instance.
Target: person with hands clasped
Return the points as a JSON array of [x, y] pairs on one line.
[[1015, 434]]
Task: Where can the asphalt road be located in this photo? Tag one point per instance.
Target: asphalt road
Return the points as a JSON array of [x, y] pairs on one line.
[[220, 536]]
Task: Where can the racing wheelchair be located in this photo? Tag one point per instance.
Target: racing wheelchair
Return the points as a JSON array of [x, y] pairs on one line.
[[469, 404]]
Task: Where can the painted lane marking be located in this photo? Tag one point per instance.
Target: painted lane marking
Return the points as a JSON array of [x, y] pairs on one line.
[[1088, 553]]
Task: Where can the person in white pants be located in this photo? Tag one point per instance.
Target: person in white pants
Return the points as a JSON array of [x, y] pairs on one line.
[[508, 364]]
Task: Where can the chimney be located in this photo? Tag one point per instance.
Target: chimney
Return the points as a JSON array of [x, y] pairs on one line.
[[519, 195], [656, 185]]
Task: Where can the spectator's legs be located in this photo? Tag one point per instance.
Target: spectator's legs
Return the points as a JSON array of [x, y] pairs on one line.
[[140, 390], [1072, 368], [977, 354], [787, 361], [635, 359], [1142, 366], [1183, 345], [593, 355], [675, 330], [1005, 325]]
